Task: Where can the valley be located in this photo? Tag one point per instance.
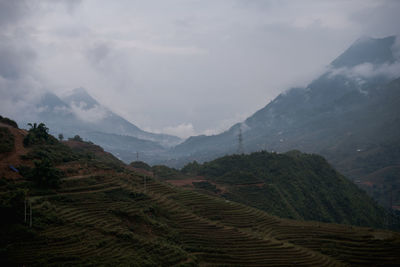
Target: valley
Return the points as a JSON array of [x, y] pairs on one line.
[[103, 212]]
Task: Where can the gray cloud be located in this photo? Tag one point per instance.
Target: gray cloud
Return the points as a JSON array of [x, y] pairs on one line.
[[12, 12], [97, 53], [179, 66], [15, 60]]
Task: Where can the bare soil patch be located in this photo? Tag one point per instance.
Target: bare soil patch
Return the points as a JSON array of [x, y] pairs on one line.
[[14, 157]]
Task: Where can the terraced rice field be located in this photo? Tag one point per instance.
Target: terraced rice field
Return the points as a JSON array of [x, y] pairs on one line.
[[112, 219]]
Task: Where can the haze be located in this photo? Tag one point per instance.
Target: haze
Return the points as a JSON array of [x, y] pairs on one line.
[[177, 67]]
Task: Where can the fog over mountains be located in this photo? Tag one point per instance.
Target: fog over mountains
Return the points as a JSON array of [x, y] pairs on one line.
[[349, 114], [307, 118], [193, 133], [78, 113]]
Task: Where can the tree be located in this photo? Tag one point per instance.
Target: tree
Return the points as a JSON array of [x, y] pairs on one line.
[[38, 134], [44, 173], [60, 136], [77, 138]]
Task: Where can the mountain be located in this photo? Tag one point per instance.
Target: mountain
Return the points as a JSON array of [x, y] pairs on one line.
[[109, 122], [350, 115], [367, 50], [80, 114], [103, 213]]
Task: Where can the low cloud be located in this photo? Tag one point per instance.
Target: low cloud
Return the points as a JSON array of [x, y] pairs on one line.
[[94, 114], [367, 71], [98, 53], [20, 87], [183, 130], [185, 61]]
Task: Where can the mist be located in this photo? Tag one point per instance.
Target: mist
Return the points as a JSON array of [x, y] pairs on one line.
[[178, 67]]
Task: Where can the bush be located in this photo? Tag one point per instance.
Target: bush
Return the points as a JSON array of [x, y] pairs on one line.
[[38, 134], [57, 153], [6, 140], [12, 206], [76, 138], [45, 175], [191, 168], [8, 122], [140, 165], [165, 172]]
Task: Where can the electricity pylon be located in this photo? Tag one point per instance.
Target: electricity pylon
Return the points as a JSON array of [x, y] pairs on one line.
[[240, 139]]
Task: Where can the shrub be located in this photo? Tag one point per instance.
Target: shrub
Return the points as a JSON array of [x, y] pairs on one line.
[[8, 122], [44, 174], [191, 168], [6, 140], [38, 134], [76, 138], [140, 165], [12, 206]]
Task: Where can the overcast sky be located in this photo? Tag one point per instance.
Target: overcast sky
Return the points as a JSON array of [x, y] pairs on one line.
[[182, 67]]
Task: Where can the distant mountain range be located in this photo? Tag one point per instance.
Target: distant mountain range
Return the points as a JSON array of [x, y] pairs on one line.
[[350, 115], [80, 114]]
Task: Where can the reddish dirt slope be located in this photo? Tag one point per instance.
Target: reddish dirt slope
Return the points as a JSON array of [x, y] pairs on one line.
[[13, 158]]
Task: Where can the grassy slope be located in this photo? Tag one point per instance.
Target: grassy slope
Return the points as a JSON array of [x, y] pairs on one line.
[[102, 214], [291, 185], [107, 218]]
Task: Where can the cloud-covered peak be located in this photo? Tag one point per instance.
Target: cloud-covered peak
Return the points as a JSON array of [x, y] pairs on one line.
[[80, 97], [367, 50]]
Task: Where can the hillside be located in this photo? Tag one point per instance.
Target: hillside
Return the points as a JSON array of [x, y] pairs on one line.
[[350, 115], [103, 213], [290, 185]]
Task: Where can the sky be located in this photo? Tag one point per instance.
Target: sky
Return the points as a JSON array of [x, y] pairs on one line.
[[183, 67]]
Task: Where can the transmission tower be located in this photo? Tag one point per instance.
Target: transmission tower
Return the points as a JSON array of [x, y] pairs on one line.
[[240, 139]]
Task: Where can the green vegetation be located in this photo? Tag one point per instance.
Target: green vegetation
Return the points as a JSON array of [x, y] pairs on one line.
[[6, 140], [38, 134], [76, 138], [165, 172], [46, 148], [292, 185], [206, 186], [8, 121], [57, 153], [107, 219], [140, 165], [103, 215], [12, 206], [44, 174]]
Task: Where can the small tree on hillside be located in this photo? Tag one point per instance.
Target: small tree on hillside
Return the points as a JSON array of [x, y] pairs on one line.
[[38, 134], [60, 136], [77, 138], [44, 174]]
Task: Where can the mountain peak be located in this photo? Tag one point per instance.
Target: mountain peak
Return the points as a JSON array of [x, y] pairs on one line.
[[79, 91], [51, 101], [80, 95], [367, 50]]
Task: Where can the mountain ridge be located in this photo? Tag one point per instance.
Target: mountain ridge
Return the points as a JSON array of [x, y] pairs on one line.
[[346, 114]]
